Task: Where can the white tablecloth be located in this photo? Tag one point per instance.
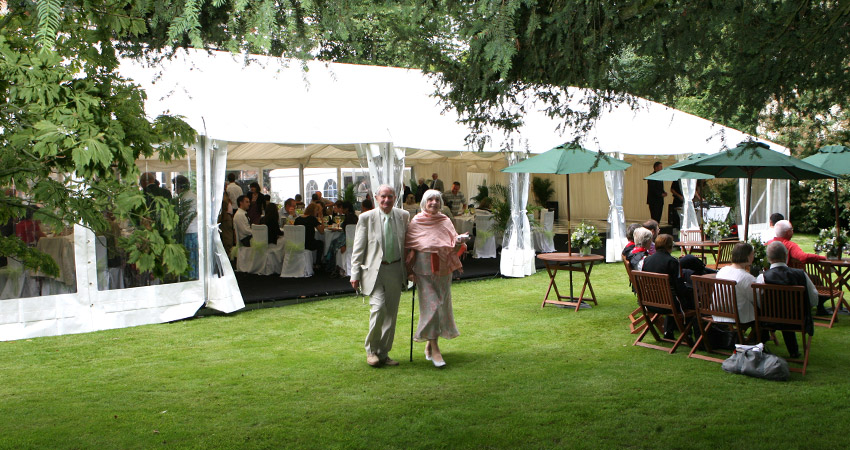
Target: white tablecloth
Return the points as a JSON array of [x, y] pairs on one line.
[[463, 224], [715, 213]]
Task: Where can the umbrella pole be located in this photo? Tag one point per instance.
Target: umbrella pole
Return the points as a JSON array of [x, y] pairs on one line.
[[747, 216], [569, 235], [837, 223]]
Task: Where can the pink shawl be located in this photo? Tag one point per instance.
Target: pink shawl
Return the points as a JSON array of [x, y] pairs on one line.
[[434, 234]]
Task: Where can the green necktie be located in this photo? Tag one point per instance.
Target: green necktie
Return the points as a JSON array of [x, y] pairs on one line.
[[390, 252]]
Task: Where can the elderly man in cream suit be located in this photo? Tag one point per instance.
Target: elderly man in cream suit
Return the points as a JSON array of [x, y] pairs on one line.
[[377, 268]]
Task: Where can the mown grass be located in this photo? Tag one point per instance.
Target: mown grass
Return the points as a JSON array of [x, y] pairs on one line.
[[518, 377]]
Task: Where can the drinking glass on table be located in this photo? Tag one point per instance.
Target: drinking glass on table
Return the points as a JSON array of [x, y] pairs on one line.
[[337, 220]]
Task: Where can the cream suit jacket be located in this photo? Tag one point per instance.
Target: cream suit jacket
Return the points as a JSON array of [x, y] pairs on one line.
[[368, 248]]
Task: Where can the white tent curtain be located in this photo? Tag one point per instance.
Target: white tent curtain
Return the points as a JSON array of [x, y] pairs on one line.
[[616, 216], [517, 250], [222, 291], [386, 165], [689, 220]]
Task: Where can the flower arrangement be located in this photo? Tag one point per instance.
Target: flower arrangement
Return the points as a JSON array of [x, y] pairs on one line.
[[831, 245], [760, 262], [716, 229], [586, 237]]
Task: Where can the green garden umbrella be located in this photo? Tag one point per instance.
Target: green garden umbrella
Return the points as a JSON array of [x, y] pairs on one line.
[[565, 160], [835, 158], [751, 159]]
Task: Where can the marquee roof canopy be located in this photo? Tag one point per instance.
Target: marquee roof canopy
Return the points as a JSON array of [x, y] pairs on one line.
[[280, 113]]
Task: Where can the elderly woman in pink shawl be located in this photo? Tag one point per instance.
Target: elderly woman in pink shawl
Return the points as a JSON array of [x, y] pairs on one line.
[[432, 255]]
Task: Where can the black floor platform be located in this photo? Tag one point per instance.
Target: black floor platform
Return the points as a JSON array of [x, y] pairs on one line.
[[272, 288]]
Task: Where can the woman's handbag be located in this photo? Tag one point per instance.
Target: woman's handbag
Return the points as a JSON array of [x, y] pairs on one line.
[[751, 360]]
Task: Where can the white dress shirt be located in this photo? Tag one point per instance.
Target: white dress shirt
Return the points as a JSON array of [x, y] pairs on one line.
[[234, 191], [743, 293], [241, 224]]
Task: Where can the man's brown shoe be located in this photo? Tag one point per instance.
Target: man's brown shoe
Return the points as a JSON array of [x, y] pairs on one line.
[[390, 362], [373, 360]]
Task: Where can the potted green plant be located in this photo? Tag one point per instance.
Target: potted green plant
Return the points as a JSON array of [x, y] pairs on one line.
[[760, 262], [542, 189], [585, 238], [831, 245]]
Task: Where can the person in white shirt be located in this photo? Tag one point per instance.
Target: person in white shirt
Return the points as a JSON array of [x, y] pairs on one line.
[[770, 233], [241, 223], [233, 191], [742, 259]]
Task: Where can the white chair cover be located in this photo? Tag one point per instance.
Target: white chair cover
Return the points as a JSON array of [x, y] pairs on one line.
[[274, 258], [485, 240], [297, 261], [253, 259], [344, 259], [544, 237]]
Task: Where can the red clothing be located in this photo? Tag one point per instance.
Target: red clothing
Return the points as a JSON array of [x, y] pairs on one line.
[[28, 230], [796, 256]]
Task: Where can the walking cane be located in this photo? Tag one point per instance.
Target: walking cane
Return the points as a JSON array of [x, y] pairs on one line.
[[412, 308]]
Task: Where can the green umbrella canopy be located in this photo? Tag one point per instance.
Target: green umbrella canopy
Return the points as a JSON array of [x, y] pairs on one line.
[[670, 174], [566, 159], [835, 158], [750, 160], [754, 160]]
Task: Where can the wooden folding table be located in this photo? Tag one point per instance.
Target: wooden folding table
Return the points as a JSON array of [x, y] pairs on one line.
[[572, 262]]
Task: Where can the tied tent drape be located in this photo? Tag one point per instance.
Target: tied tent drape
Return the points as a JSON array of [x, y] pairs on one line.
[[222, 290], [689, 215], [616, 216], [385, 163], [517, 250]]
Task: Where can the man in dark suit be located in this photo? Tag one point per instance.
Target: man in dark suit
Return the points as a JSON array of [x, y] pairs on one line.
[[420, 190], [655, 194], [780, 273]]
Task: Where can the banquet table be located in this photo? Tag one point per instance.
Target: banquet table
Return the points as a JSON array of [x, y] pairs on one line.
[[464, 223], [571, 262], [328, 237], [701, 247]]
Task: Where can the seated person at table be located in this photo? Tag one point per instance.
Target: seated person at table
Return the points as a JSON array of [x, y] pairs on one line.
[[780, 273], [641, 249], [241, 224], [349, 217], [630, 235], [663, 262], [272, 222], [312, 221], [796, 256], [652, 226], [338, 244], [739, 271], [299, 202], [410, 205], [366, 205], [29, 230], [289, 215]]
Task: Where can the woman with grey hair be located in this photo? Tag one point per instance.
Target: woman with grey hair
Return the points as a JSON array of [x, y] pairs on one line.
[[643, 239], [432, 255]]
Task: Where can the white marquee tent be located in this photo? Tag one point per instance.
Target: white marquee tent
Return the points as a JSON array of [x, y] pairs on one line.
[[284, 114]]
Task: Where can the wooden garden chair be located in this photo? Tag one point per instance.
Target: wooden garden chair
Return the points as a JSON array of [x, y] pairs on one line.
[[695, 236], [724, 254], [656, 297], [636, 317], [825, 279], [715, 299], [783, 308]]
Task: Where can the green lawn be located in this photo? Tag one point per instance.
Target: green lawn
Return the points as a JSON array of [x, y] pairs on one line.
[[518, 377]]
